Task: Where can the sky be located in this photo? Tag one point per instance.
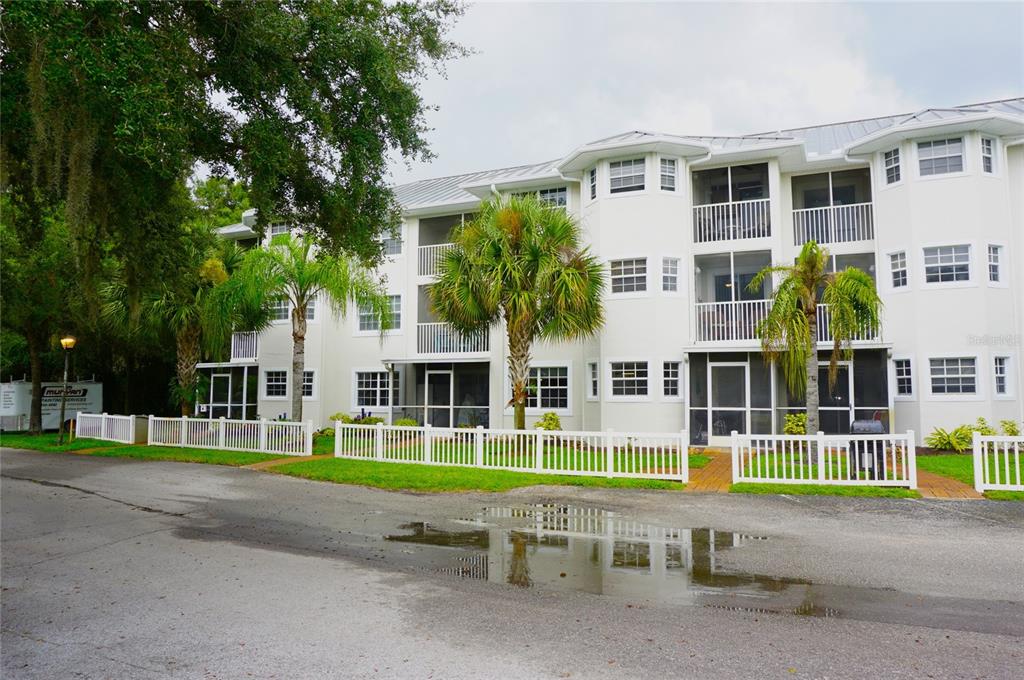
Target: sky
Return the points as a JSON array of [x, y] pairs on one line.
[[547, 77]]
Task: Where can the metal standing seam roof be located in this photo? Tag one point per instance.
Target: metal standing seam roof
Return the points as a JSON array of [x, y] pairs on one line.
[[817, 140]]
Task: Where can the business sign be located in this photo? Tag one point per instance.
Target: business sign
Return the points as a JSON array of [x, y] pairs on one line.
[[16, 402]]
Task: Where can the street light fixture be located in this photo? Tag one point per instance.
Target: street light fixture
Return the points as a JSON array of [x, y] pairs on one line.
[[68, 343]]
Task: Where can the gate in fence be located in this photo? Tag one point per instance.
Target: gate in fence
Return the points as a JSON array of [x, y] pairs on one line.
[[997, 463]]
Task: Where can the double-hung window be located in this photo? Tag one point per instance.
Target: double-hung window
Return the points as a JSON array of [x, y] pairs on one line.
[[1001, 365], [898, 265], [994, 260], [629, 378], [368, 320], [626, 175], [593, 380], [372, 388], [988, 155], [629, 276], [548, 387], [556, 197], [670, 274], [311, 310], [668, 174], [393, 245], [945, 264], [279, 309], [941, 156], [307, 383], [278, 228], [904, 377], [892, 166], [670, 376], [954, 375], [593, 183], [275, 384]]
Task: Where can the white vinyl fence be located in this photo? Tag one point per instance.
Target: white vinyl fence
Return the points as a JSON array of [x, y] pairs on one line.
[[858, 460], [997, 463], [260, 436], [105, 426], [601, 454]]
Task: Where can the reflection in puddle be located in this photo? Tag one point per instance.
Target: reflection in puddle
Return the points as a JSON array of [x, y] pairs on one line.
[[596, 551]]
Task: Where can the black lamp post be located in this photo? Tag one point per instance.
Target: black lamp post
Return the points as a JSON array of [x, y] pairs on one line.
[[68, 343]]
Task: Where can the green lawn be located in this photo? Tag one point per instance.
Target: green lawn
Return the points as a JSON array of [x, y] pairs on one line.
[[48, 442], [959, 466], [786, 466], [1005, 495], [824, 490], [182, 455]]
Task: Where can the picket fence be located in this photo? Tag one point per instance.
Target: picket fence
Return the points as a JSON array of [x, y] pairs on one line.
[[997, 463], [105, 426], [856, 460], [261, 436], [602, 454]]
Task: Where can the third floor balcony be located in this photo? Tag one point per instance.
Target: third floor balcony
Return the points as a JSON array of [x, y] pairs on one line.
[[731, 203]]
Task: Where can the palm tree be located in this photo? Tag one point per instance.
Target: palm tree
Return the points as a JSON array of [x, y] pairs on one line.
[[520, 262], [789, 332], [290, 269]]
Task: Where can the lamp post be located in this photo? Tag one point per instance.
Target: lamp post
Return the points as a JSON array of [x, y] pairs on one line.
[[68, 343]]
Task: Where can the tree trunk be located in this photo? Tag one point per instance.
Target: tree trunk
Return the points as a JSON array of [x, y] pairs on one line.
[[518, 372], [35, 417], [298, 359], [188, 356], [812, 376]]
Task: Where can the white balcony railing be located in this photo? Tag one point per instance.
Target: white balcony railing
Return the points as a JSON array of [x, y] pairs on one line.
[[833, 224], [441, 338], [429, 258], [736, 322], [245, 346], [732, 221]]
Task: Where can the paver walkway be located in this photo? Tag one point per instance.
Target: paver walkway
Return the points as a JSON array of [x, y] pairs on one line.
[[264, 464], [932, 485]]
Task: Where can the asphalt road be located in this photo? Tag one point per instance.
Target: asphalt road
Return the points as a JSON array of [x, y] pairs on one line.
[[126, 569]]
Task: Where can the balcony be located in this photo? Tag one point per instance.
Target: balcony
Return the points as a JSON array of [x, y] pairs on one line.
[[245, 346], [736, 323], [732, 221], [441, 339], [833, 224], [825, 334], [429, 258]]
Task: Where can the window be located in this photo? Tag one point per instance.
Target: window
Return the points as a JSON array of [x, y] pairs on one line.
[[629, 378], [593, 380], [904, 377], [368, 321], [593, 183], [629, 276], [311, 310], [307, 383], [898, 264], [668, 174], [892, 166], [953, 376], [278, 228], [276, 384], [626, 175], [988, 154], [1002, 374], [372, 388], [994, 253], [941, 156], [279, 309], [393, 246], [670, 274], [670, 373], [943, 264], [548, 387], [556, 197]]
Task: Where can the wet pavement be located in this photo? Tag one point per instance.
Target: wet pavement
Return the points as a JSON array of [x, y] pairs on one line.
[[130, 569]]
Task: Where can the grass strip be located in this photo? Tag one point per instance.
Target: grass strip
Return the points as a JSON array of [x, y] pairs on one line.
[[48, 442], [183, 455], [824, 490], [1005, 495]]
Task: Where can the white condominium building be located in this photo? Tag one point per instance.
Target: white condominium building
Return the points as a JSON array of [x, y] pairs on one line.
[[931, 204]]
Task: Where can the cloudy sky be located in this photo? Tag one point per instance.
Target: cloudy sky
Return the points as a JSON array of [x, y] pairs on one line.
[[547, 77]]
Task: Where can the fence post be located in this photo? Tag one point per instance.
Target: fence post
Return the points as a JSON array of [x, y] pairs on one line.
[[263, 434], [309, 438], [979, 474], [427, 437], [734, 437], [103, 425], [378, 441], [221, 439], [337, 439], [538, 453], [820, 446], [609, 452], [149, 428], [184, 429], [911, 459], [478, 441], [684, 456]]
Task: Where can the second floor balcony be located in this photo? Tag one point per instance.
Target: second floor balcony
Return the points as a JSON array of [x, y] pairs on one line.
[[429, 258], [833, 207], [735, 323], [245, 346], [440, 339]]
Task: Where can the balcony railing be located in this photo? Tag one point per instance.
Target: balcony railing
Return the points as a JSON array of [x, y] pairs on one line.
[[429, 258], [833, 224], [732, 221], [441, 338], [245, 346], [736, 322]]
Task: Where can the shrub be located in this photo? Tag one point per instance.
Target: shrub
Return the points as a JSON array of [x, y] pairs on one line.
[[795, 423], [326, 432], [981, 426], [549, 421], [1010, 428], [406, 422], [342, 416], [958, 440], [368, 420]]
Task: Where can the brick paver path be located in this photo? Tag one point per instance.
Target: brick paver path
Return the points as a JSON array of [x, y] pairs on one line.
[[932, 485], [715, 477]]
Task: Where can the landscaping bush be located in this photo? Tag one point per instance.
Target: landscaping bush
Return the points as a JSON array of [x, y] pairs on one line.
[[368, 420], [326, 432], [795, 423], [1010, 428], [982, 427], [343, 417], [959, 439], [549, 421], [406, 422]]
